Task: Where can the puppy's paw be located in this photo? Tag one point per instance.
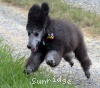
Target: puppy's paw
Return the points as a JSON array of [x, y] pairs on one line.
[[28, 70], [71, 63], [51, 63], [87, 74], [52, 58]]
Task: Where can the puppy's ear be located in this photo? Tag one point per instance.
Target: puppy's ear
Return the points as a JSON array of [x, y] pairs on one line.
[[45, 8], [34, 12]]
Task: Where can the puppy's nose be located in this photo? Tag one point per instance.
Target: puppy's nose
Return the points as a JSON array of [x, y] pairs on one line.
[[29, 47]]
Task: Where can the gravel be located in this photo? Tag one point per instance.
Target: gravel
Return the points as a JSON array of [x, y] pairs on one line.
[[12, 28], [90, 5]]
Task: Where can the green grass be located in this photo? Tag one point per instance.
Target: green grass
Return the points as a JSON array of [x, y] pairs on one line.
[[59, 9], [12, 76]]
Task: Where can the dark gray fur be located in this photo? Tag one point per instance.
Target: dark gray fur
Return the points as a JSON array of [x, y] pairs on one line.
[[67, 38]]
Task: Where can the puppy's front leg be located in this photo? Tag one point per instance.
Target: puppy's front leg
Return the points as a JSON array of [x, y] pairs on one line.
[[53, 58], [33, 62]]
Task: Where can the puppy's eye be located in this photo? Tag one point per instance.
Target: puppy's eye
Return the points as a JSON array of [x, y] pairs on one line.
[[36, 34], [29, 34]]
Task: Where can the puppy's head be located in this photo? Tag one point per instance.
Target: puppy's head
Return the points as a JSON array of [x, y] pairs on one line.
[[37, 18]]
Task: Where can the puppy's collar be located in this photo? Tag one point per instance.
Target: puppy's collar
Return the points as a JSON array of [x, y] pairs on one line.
[[50, 36]]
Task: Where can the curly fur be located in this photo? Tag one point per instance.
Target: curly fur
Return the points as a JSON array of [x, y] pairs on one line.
[[67, 38]]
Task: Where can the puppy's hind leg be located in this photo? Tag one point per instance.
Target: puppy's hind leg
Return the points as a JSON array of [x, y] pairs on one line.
[[68, 57], [83, 58], [53, 58]]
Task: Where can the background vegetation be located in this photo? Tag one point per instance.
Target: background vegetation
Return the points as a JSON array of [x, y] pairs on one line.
[[12, 76]]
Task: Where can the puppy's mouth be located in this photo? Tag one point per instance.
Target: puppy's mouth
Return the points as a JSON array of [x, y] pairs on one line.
[[35, 49]]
